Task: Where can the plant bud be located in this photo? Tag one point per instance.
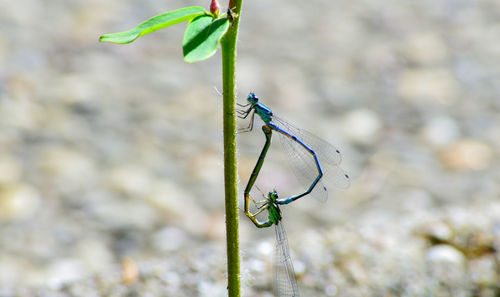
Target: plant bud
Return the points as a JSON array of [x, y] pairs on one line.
[[214, 8]]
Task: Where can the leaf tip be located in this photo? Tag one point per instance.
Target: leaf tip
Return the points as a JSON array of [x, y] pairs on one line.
[[107, 38], [119, 38]]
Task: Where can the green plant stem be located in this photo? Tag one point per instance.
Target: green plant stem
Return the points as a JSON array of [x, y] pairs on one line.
[[228, 45]]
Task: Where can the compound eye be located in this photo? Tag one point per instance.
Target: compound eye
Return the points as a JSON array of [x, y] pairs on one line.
[[252, 98]]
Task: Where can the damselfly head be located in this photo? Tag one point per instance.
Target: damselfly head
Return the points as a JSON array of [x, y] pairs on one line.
[[273, 196], [252, 98]]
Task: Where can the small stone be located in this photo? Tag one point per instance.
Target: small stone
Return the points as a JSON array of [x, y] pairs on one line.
[[178, 207], [265, 248], [380, 57], [206, 166], [68, 169], [95, 254], [299, 267], [130, 272], [417, 199], [73, 88], [466, 154], [435, 85], [10, 169], [114, 213], [130, 179], [169, 239], [64, 270], [331, 290], [441, 131], [22, 113], [215, 227], [483, 270], [18, 202], [256, 265], [210, 289], [425, 48], [436, 230], [475, 243], [446, 266], [362, 125], [12, 269], [445, 254]]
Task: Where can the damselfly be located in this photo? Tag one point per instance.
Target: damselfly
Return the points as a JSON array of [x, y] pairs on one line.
[[285, 283], [314, 161]]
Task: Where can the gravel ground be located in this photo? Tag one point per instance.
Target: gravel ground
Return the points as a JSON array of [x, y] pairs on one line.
[[111, 156]]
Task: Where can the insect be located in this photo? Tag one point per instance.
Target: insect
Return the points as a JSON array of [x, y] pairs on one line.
[[314, 161], [285, 283]]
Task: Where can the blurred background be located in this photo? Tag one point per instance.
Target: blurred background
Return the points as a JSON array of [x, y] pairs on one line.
[[111, 155]]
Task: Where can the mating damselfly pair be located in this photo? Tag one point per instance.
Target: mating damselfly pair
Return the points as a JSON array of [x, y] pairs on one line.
[[315, 162]]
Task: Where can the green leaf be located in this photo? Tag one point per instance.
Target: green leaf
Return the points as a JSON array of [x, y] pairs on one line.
[[202, 37], [155, 23]]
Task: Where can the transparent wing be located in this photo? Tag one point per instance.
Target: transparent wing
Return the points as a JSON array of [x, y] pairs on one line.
[[285, 282], [303, 165]]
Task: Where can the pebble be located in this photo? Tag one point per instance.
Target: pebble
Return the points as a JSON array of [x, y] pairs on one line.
[[417, 199], [115, 214], [425, 48], [94, 254], [210, 289], [10, 169], [440, 131], [428, 85], [73, 88], [11, 269], [169, 239], [3, 52], [447, 271], [265, 248], [380, 57], [64, 270], [18, 202], [207, 166], [437, 230], [446, 254], [19, 16], [362, 125], [65, 167], [256, 265], [130, 179], [178, 207], [299, 267], [130, 271], [466, 154], [482, 270], [21, 113], [331, 290]]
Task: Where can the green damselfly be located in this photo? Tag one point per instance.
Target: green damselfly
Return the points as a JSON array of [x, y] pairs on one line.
[[314, 160], [285, 283]]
